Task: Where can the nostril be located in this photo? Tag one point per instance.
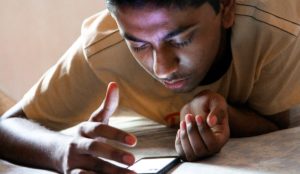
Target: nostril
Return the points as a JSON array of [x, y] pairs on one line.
[[164, 72]]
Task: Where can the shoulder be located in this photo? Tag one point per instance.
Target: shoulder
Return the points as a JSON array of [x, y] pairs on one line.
[[265, 47], [283, 15], [99, 32], [264, 29]]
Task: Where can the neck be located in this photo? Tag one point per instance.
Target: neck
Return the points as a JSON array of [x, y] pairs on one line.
[[222, 62]]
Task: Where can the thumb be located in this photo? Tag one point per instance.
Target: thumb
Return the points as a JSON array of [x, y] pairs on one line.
[[216, 115], [109, 104]]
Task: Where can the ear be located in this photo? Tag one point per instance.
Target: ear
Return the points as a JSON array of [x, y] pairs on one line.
[[227, 12]]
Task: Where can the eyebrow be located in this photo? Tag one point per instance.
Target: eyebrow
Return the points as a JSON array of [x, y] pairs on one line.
[[171, 34]]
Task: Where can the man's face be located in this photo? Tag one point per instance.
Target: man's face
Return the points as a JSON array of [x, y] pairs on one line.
[[176, 46]]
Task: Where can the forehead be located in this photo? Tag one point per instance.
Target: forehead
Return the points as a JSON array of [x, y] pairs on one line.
[[152, 17], [146, 17]]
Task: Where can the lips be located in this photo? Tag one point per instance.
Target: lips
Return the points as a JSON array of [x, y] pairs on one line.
[[175, 84]]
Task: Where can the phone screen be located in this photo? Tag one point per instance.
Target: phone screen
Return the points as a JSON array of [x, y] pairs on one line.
[[154, 165]]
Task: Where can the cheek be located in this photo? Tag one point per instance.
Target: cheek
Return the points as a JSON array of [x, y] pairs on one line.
[[207, 47], [145, 60], [199, 57], [194, 56]]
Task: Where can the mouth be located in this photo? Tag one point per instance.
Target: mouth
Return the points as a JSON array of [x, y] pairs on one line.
[[175, 83]]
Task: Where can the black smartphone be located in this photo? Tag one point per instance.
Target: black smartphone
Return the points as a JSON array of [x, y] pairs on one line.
[[155, 165]]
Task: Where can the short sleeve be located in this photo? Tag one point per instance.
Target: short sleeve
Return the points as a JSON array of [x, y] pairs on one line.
[[67, 93], [278, 84]]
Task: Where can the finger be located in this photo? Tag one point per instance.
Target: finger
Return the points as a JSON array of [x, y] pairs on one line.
[[212, 120], [109, 105], [195, 139], [99, 149], [207, 135], [178, 145], [81, 171], [217, 113], [186, 146], [218, 121], [96, 130]]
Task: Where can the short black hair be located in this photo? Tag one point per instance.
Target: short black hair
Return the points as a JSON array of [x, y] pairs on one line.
[[113, 4]]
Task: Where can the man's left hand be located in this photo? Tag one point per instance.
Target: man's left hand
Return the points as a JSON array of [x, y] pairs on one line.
[[204, 127]]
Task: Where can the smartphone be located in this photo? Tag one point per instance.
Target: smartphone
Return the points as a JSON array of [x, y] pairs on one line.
[[155, 165]]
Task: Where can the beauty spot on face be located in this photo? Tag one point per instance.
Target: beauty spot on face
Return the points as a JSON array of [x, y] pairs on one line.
[[176, 46]]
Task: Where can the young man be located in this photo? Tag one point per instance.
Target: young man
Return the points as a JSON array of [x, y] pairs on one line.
[[224, 67]]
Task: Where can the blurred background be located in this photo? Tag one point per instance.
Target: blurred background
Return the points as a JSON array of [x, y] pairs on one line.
[[34, 34]]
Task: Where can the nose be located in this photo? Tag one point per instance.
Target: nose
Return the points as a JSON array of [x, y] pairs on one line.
[[165, 62]]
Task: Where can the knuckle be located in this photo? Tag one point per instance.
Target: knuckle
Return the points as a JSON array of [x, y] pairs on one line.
[[98, 127], [91, 146], [81, 129], [72, 146], [89, 129], [116, 154], [86, 128]]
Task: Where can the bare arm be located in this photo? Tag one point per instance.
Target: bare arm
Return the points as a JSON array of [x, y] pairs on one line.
[[246, 122], [27, 143], [38, 145]]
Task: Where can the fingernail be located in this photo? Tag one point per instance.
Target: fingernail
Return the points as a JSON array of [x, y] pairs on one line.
[[130, 140], [128, 159], [213, 120], [188, 119], [199, 120], [183, 125]]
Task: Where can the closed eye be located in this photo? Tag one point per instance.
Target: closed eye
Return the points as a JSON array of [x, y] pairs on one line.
[[139, 48], [182, 43]]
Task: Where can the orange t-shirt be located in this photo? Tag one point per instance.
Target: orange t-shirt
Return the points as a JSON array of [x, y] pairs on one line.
[[264, 73]]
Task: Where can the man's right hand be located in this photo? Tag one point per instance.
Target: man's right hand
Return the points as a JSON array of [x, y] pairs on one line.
[[81, 154]]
